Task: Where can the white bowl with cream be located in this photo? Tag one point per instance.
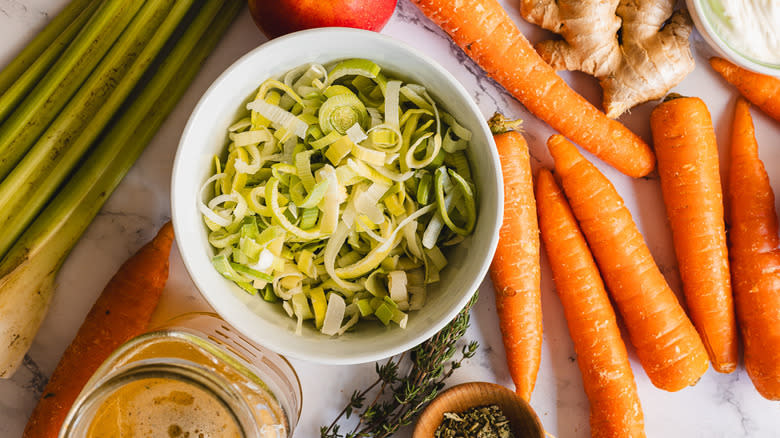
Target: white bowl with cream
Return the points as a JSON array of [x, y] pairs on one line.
[[204, 136], [746, 32]]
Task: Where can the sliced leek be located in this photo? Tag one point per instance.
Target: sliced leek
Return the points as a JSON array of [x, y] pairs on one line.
[[337, 193]]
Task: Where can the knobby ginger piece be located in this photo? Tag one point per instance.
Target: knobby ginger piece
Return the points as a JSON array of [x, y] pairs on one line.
[[652, 55]]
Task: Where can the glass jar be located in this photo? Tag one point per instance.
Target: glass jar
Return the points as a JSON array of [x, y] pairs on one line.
[[194, 377]]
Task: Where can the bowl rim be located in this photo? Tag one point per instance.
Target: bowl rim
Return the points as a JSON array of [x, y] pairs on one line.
[[270, 342], [714, 39]]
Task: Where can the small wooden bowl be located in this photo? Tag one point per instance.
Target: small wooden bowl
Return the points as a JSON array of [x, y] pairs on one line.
[[525, 423]]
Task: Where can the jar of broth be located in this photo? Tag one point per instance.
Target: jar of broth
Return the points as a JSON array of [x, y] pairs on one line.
[[196, 377]]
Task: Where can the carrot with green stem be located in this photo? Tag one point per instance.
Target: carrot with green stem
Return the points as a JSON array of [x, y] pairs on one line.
[[122, 311], [687, 153], [515, 268], [754, 248], [669, 349], [609, 383], [762, 90], [485, 32]]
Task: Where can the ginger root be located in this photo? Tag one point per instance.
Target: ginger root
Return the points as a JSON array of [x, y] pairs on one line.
[[649, 57]]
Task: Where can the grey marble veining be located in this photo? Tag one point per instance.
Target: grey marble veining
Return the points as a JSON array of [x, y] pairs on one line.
[[719, 406]]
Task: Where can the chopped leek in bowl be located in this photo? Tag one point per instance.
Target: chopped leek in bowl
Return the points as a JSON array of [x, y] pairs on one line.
[[338, 194], [220, 114]]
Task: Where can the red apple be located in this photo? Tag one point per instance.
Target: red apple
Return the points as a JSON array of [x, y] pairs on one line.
[[278, 17]]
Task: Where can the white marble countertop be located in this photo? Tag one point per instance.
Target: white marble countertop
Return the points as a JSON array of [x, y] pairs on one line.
[[718, 406]]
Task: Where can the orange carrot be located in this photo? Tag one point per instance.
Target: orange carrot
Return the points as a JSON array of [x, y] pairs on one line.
[[687, 154], [762, 90], [485, 32], [666, 342], [121, 312], [615, 410], [515, 268], [754, 248]]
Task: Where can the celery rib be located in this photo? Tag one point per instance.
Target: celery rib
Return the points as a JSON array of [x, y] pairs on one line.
[[45, 41], [15, 92], [34, 180], [63, 221], [35, 258], [41, 106], [81, 198]]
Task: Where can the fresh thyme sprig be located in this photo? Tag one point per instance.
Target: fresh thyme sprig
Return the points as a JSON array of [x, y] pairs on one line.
[[400, 397]]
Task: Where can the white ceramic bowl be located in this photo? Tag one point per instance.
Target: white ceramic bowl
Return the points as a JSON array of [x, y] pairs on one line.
[[699, 13], [205, 136]]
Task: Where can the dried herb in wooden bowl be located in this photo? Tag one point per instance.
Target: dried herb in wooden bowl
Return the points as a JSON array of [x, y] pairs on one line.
[[477, 422]]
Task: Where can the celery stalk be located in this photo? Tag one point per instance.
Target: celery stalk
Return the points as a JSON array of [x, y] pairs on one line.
[[45, 101], [43, 45], [27, 271], [15, 92], [34, 180]]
